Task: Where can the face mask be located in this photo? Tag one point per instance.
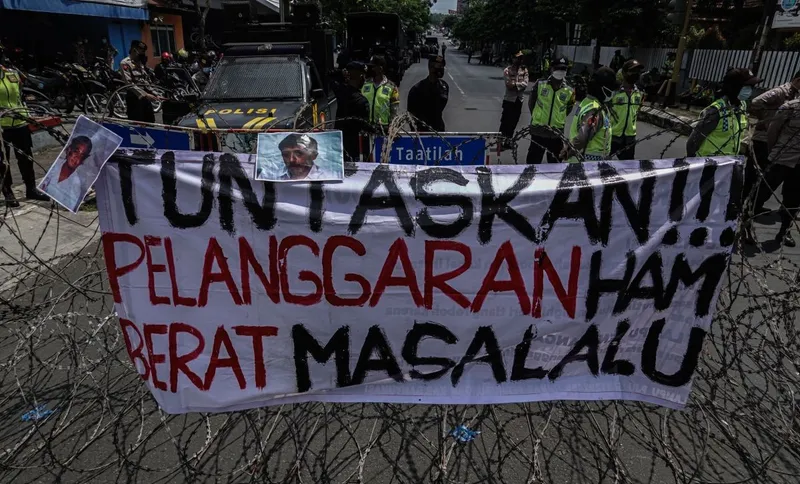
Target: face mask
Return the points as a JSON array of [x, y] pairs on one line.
[[745, 93], [608, 93], [559, 75]]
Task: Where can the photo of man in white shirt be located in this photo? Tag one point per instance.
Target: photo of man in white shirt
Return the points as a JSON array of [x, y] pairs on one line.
[[66, 183], [78, 165], [299, 154]]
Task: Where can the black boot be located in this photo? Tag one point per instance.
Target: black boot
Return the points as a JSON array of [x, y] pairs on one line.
[[785, 237], [11, 200], [33, 193], [788, 240]]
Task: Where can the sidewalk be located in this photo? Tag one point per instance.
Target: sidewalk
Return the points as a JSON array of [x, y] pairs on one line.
[[40, 232]]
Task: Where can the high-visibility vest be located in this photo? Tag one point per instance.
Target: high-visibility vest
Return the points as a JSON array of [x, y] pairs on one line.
[[380, 100], [726, 139], [11, 98], [551, 105], [668, 67], [626, 109], [599, 146]]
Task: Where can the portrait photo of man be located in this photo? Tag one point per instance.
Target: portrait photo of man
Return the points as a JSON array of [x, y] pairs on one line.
[[79, 163], [298, 157]]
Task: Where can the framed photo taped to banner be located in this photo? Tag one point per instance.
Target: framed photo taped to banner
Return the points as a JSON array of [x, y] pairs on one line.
[[300, 157]]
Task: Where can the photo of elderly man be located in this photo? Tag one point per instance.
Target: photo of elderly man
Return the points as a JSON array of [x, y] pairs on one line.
[[298, 157]]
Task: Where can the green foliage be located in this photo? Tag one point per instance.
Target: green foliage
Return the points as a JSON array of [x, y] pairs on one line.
[[793, 42], [449, 21], [613, 22], [415, 14]]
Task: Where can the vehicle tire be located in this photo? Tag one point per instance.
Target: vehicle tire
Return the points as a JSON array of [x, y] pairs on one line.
[[160, 93], [95, 104], [39, 110], [67, 106], [117, 107]]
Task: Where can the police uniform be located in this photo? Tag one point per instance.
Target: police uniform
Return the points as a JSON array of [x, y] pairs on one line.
[[16, 134], [730, 129], [352, 112], [427, 100], [552, 101], [598, 147], [625, 105], [135, 72], [723, 124], [381, 97]]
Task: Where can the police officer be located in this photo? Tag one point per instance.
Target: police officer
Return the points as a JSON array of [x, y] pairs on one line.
[[382, 94], [352, 110], [666, 74], [16, 135], [428, 98], [550, 102], [134, 71], [625, 106], [590, 132], [723, 124]]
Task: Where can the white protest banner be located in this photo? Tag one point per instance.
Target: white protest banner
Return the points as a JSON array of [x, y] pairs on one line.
[[415, 284]]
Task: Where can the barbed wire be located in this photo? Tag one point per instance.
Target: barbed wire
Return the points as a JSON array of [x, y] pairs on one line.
[[75, 409]]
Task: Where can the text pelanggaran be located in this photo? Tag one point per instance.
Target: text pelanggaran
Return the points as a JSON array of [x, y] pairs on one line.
[[484, 284]]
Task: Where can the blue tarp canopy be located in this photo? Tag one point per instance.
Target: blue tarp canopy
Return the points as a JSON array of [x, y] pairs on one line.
[[72, 7]]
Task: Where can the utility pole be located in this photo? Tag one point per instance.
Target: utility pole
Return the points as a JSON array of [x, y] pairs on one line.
[[763, 34], [672, 86]]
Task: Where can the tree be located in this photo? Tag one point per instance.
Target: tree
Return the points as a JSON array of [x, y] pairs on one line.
[[613, 22], [449, 21], [437, 18], [415, 14]]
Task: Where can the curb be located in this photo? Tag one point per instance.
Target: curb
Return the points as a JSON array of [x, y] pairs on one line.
[[679, 124]]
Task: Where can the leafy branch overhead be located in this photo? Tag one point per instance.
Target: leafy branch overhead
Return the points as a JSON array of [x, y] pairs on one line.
[[415, 14], [619, 22]]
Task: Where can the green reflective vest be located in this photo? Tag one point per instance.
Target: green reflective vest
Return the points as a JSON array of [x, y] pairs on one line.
[[380, 100], [552, 105], [668, 67], [599, 147], [626, 110], [726, 139], [11, 98]]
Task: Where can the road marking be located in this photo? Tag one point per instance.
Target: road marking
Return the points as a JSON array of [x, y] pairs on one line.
[[456, 84]]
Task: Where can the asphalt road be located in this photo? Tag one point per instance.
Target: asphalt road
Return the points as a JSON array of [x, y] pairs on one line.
[[475, 105], [60, 347]]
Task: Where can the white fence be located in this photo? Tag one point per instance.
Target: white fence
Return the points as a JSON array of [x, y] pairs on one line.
[[778, 67], [707, 65], [579, 54], [711, 64], [582, 54]]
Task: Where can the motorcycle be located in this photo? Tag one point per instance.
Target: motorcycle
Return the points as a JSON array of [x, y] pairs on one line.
[[117, 87], [64, 87]]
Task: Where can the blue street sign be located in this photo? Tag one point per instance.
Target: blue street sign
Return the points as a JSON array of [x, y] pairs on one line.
[[150, 138], [433, 150]]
